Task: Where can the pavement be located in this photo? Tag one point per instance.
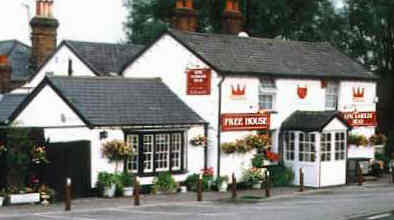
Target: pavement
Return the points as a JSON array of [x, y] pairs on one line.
[[346, 202]]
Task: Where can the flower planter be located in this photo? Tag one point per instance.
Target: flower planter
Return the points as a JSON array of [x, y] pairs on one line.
[[24, 198], [257, 185], [109, 191], [128, 191], [223, 186], [1, 201]]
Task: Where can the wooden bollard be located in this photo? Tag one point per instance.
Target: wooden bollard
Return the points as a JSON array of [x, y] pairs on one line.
[[136, 192], [268, 184], [359, 175], [392, 175], [301, 180], [199, 189], [234, 187], [67, 196]]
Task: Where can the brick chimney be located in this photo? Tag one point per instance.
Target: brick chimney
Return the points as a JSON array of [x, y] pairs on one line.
[[44, 33], [185, 16], [5, 74], [232, 18]]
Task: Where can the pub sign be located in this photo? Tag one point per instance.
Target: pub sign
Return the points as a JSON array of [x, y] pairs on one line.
[[245, 121], [198, 82], [357, 119]]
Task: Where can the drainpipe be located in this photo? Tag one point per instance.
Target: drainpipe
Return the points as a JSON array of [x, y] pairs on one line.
[[219, 123], [206, 126]]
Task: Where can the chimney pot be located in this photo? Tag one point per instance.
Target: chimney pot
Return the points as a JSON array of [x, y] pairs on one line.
[[185, 16], [229, 5], [189, 4]]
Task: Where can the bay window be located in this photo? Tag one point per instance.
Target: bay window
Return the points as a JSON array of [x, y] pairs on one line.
[[156, 152]]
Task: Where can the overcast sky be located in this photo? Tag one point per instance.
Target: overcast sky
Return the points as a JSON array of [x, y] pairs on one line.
[[85, 20]]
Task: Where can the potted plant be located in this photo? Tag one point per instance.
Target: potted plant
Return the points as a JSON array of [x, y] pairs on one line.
[[164, 183], [3, 196], [207, 178], [107, 184], [191, 181], [127, 182], [254, 177], [258, 161], [222, 183], [47, 194]]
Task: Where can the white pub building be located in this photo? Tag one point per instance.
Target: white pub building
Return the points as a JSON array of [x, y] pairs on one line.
[[314, 94]]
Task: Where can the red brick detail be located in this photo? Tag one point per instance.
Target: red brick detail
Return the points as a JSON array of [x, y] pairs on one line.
[[232, 18], [185, 16], [5, 74]]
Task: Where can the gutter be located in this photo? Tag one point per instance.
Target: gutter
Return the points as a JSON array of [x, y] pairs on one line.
[[219, 124]]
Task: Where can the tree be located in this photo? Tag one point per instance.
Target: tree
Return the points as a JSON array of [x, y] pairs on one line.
[[289, 19], [370, 39]]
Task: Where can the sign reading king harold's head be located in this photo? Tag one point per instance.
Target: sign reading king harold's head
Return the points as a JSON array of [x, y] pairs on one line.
[[198, 82], [245, 121], [356, 119]]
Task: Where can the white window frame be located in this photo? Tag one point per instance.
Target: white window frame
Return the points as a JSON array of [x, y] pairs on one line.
[[133, 141], [326, 146], [289, 149], [332, 91], [307, 147], [340, 145], [267, 89]]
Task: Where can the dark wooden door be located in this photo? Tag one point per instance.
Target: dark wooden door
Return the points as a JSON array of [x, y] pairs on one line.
[[69, 160]]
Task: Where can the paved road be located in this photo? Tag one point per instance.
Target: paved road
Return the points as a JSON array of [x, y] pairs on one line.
[[331, 204]]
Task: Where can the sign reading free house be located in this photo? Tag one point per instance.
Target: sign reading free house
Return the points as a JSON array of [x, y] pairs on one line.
[[245, 121], [355, 119], [198, 82]]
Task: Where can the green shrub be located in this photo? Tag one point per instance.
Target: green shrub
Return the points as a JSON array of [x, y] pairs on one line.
[[258, 161], [192, 180], [281, 175], [164, 182], [127, 179]]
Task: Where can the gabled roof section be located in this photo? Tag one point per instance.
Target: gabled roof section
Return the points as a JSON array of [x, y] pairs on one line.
[[115, 101], [103, 58], [309, 121], [8, 104], [231, 54], [19, 57]]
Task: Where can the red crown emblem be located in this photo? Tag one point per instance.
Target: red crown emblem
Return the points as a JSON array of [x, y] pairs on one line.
[[238, 91], [358, 92]]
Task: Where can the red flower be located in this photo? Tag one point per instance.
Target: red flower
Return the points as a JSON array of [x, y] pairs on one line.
[[207, 172], [272, 156]]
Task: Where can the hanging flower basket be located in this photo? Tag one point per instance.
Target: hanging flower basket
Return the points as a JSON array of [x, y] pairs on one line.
[[198, 141]]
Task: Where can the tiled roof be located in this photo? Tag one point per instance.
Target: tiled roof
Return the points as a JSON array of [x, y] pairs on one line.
[[248, 55], [8, 104], [115, 101], [19, 57], [104, 58], [309, 121]]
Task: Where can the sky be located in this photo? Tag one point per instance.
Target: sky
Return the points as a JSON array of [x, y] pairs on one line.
[[84, 20]]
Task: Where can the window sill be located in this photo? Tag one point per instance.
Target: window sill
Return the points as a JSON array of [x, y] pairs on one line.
[[178, 172]]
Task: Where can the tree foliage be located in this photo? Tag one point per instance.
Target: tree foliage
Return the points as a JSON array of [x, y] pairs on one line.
[[289, 19]]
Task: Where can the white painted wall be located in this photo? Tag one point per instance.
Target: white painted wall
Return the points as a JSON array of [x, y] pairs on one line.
[[46, 110], [58, 65]]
